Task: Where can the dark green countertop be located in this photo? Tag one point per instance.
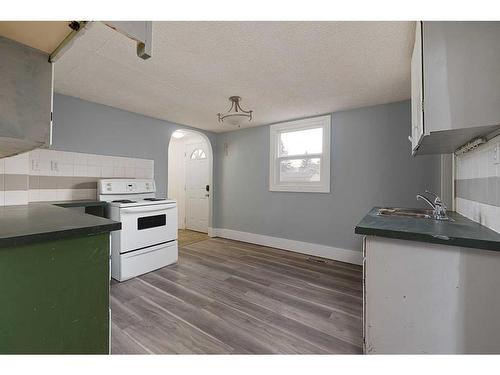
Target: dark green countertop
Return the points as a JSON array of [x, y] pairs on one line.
[[36, 222], [81, 203], [460, 232]]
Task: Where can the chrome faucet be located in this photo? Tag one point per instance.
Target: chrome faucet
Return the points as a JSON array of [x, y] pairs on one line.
[[438, 207]]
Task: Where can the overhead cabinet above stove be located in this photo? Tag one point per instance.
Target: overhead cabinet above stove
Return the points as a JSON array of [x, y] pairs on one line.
[[455, 74], [25, 98]]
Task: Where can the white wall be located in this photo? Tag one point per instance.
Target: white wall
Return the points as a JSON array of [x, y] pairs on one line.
[[177, 178]]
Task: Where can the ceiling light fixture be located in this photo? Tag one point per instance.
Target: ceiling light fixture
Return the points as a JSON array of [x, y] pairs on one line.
[[178, 134], [235, 115]]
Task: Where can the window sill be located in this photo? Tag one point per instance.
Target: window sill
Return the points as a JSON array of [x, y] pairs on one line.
[[299, 189]]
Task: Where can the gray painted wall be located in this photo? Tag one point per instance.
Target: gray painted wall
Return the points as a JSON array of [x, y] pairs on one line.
[[371, 166], [83, 126]]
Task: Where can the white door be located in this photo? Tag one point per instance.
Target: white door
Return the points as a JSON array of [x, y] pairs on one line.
[[197, 180]]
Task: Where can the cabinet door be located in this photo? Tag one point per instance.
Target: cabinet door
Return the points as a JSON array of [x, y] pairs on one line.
[[25, 98], [417, 118], [364, 294], [461, 75], [411, 298]]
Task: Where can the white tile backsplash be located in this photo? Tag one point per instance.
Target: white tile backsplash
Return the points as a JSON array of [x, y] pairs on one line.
[[64, 194], [18, 164], [80, 170], [93, 171], [66, 157], [485, 214], [479, 163], [107, 171], [17, 197], [80, 194], [119, 162], [44, 168], [34, 195], [64, 169], [129, 172], [43, 162], [48, 195], [489, 216], [63, 163], [118, 171], [106, 161], [497, 224], [482, 163], [92, 194], [80, 159], [94, 160]]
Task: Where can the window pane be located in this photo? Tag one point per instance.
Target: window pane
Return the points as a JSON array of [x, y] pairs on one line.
[[300, 170], [198, 154], [301, 142]]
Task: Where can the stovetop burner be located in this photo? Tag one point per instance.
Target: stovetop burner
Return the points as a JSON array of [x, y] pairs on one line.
[[124, 201], [154, 199]]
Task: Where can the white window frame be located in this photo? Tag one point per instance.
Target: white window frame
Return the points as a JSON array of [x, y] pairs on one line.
[[322, 186]]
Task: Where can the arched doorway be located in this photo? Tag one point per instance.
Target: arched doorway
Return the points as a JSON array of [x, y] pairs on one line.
[[190, 170]]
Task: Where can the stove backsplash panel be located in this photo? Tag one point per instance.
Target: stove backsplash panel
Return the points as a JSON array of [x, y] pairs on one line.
[[50, 175]]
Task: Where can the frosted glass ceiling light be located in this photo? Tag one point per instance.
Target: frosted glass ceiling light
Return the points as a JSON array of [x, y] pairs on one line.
[[235, 115], [178, 134]]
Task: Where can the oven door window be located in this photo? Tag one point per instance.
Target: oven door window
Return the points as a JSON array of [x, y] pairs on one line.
[[148, 222]]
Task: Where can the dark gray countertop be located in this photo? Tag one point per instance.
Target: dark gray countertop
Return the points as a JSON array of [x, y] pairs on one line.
[[460, 232], [36, 222], [81, 203]]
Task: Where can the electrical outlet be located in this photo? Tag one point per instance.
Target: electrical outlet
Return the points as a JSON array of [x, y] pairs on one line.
[[35, 166], [54, 166], [495, 154]]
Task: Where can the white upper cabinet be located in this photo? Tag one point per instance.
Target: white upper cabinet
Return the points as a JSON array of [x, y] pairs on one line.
[[455, 84], [417, 120], [25, 98]]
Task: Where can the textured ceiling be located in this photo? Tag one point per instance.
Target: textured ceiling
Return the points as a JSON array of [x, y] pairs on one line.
[[282, 70]]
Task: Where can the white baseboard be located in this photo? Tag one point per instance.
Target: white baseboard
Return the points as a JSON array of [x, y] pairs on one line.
[[323, 251]]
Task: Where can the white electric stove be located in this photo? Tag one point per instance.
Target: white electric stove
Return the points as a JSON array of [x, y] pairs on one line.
[[148, 238]]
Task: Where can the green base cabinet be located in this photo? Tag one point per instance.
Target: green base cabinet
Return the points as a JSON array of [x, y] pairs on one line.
[[54, 297]]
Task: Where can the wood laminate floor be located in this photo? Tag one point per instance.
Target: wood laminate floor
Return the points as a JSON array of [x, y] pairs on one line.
[[187, 237], [227, 297]]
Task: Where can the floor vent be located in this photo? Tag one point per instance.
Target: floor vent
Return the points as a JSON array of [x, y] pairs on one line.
[[316, 260]]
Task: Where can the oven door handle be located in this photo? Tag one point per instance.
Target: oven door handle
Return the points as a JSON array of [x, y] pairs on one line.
[[138, 210]]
